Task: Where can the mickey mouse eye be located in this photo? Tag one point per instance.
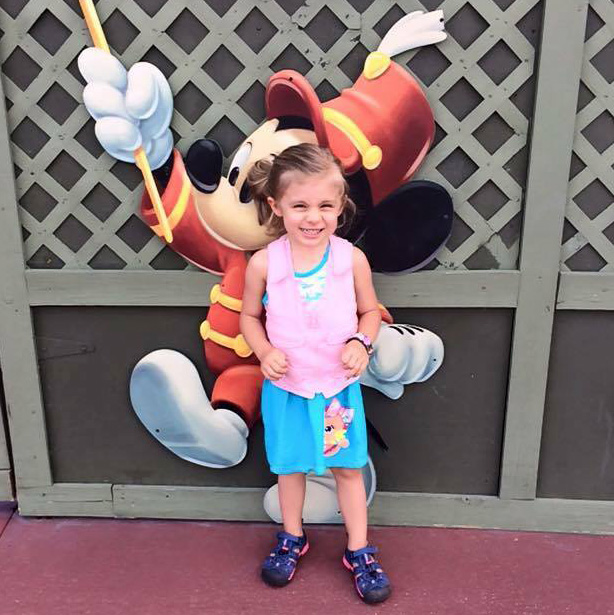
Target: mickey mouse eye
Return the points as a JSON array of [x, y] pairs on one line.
[[245, 195], [238, 162], [232, 176]]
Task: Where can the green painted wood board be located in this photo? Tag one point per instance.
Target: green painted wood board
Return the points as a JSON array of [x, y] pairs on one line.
[[24, 407], [546, 197], [160, 501]]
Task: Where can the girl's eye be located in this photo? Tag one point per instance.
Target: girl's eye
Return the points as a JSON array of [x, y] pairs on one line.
[[299, 206], [326, 205]]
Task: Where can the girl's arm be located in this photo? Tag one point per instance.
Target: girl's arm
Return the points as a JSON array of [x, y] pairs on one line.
[[369, 315], [251, 311], [354, 356]]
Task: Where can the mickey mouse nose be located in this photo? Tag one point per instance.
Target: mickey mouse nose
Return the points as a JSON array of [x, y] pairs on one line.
[[204, 165]]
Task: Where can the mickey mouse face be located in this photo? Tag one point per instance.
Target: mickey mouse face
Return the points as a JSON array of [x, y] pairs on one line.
[[228, 212]]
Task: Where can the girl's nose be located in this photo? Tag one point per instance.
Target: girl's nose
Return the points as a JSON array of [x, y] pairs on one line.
[[313, 215]]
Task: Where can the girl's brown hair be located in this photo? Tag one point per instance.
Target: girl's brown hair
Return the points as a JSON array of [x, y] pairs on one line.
[[265, 179]]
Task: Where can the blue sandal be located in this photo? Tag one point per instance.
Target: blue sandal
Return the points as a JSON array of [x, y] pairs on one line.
[[370, 580], [279, 567]]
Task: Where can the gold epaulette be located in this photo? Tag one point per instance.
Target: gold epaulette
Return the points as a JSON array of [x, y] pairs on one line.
[[217, 296], [237, 343]]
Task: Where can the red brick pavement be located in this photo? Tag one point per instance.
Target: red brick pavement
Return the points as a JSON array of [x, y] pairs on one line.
[[123, 567]]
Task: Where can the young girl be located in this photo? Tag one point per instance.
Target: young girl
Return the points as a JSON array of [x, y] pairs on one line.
[[321, 315]]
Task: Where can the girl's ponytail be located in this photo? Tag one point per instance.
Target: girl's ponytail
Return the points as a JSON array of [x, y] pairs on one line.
[[258, 181]]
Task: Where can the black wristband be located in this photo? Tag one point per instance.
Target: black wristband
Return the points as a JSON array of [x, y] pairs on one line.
[[367, 347]]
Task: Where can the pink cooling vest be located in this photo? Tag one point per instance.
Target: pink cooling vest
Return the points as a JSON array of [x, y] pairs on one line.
[[313, 339]]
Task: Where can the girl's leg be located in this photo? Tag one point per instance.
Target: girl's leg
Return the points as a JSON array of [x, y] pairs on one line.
[[353, 504], [291, 491]]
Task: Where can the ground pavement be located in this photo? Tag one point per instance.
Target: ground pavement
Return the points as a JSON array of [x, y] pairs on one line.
[[126, 567]]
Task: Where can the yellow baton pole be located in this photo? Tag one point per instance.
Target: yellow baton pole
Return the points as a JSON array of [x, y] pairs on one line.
[[100, 41]]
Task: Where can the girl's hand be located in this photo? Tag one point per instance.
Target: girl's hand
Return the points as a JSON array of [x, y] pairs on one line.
[[274, 364], [354, 358]]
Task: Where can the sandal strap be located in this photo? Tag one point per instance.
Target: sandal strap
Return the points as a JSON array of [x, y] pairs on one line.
[[366, 569], [286, 551], [365, 550]]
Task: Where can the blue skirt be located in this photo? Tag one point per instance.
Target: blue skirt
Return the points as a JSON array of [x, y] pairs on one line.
[[311, 435]]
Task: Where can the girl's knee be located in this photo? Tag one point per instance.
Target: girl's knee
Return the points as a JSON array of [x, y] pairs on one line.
[[347, 474], [295, 477]]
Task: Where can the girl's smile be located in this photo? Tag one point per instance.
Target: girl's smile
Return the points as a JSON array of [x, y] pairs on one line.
[[311, 232]]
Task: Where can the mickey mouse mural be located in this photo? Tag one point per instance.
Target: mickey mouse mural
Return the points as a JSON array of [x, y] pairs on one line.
[[381, 129]]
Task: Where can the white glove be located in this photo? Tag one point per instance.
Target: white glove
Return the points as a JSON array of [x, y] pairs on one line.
[[131, 109], [168, 397], [403, 354]]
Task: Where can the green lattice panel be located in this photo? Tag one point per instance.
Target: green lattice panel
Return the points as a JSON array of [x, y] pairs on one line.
[[77, 205], [588, 236]]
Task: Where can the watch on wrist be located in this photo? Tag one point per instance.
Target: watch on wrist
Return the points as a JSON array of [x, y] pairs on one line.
[[364, 339]]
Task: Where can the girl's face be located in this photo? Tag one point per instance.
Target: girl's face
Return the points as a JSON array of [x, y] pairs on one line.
[[310, 206]]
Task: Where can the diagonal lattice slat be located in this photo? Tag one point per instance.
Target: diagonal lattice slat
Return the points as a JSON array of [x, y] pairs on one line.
[[588, 240], [77, 205]]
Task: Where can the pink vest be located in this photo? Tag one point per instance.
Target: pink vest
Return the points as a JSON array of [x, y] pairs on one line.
[[311, 340]]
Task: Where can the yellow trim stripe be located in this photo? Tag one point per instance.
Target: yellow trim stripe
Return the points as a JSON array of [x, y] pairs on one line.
[[150, 185], [179, 209], [371, 154]]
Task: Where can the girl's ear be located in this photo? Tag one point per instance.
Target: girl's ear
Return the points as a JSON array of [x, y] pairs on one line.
[[273, 205]]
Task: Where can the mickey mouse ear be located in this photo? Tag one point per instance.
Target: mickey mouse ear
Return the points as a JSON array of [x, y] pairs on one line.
[[288, 93], [408, 228]]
